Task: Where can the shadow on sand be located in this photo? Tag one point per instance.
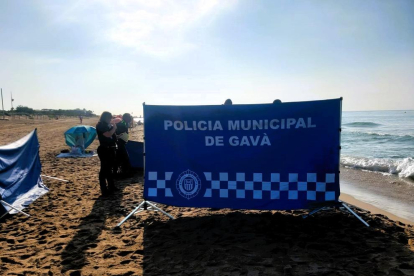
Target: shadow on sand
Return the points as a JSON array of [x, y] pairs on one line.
[[331, 243], [91, 226]]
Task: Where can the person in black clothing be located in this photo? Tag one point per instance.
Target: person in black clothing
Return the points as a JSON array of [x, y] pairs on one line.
[[106, 152], [122, 157]]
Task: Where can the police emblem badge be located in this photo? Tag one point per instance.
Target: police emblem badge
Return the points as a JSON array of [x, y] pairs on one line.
[[188, 184]]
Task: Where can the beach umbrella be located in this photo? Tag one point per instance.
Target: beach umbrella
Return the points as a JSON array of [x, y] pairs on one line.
[[85, 133]]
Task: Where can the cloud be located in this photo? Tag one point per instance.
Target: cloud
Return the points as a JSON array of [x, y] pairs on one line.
[[160, 28]]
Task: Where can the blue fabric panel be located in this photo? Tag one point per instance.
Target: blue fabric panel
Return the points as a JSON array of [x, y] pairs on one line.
[[136, 154], [257, 156], [19, 168]]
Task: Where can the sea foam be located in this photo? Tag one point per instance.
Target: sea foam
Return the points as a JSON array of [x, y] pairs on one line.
[[401, 167]]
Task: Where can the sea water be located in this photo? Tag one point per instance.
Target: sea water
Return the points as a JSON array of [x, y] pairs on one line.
[[381, 141]]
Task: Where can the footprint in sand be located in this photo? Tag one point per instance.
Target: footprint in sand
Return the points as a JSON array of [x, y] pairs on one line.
[[124, 253], [7, 260], [25, 256]]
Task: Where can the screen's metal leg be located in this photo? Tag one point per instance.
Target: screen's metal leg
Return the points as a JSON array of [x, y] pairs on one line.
[[159, 209], [355, 214], [143, 206], [342, 205], [314, 212], [20, 211], [55, 178], [5, 214], [130, 214]]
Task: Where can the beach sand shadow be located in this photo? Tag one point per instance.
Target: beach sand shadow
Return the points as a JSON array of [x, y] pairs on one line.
[[74, 255], [266, 243]]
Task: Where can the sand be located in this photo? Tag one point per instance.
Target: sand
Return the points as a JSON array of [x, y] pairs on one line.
[[70, 230], [351, 200], [386, 192]]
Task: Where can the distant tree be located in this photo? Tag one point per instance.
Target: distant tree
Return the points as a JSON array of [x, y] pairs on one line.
[[89, 113], [24, 109]]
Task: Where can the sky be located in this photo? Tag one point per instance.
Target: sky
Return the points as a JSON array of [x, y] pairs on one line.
[[116, 55]]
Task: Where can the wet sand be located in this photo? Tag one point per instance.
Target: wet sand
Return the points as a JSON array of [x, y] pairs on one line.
[[349, 199], [70, 230], [387, 194]]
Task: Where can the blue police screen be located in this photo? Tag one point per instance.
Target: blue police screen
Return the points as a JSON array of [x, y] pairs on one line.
[[258, 156]]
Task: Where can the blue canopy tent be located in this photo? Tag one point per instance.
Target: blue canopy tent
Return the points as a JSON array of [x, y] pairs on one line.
[[80, 135], [20, 180]]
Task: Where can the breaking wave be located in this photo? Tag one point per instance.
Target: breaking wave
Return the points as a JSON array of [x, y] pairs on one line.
[[404, 168]]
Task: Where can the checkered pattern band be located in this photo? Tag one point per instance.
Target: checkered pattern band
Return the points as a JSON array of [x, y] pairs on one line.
[[310, 187], [158, 185]]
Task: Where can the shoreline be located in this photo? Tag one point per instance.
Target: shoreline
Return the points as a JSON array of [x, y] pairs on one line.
[[349, 199], [388, 195]]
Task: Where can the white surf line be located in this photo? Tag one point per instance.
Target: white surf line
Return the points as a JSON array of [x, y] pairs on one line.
[[54, 178]]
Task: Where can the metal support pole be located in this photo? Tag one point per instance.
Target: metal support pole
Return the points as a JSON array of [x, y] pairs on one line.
[[144, 206], [355, 214], [130, 214], [159, 209], [343, 205], [51, 177], [2, 105], [4, 214], [314, 212], [20, 211]]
